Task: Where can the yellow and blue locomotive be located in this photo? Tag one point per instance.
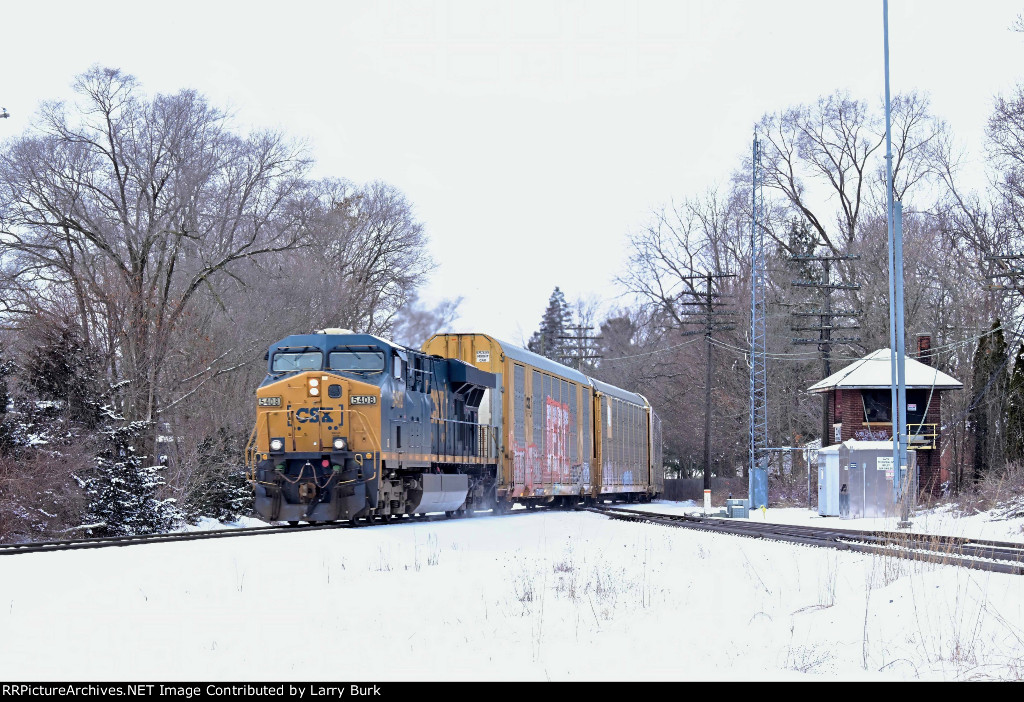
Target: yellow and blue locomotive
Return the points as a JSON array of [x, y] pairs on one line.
[[352, 426]]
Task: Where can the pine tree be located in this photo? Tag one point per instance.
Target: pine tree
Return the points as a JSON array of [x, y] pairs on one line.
[[987, 416], [1015, 411], [548, 341], [122, 490], [60, 367]]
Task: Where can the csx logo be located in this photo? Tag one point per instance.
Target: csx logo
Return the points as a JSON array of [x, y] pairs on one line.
[[314, 415]]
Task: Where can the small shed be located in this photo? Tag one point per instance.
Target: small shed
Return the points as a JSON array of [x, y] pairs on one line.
[[860, 406]]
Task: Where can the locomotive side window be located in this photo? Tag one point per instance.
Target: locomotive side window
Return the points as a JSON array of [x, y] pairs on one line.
[[357, 361], [290, 362]]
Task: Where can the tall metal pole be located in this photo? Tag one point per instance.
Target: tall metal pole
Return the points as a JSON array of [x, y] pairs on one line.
[[901, 378], [826, 349], [892, 272], [896, 324], [707, 392], [758, 332]]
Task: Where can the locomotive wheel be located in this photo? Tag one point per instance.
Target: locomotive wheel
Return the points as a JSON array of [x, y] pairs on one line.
[[449, 513]]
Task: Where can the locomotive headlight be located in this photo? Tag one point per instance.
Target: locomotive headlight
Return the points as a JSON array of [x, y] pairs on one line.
[[277, 445], [313, 382], [314, 391], [313, 387], [340, 444]]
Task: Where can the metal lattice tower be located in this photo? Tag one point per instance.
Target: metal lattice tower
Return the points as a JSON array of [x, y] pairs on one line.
[[758, 333]]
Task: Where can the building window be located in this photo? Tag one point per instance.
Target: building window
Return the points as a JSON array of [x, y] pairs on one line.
[[878, 405]]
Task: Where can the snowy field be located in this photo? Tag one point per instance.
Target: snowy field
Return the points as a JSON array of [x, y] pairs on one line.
[[537, 596]]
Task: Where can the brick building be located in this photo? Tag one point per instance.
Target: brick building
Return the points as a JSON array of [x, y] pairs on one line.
[[860, 406]]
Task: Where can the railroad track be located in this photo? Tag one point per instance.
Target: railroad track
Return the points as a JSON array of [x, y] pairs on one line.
[[113, 541], [980, 554]]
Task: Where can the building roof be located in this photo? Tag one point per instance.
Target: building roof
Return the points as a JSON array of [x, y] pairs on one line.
[[873, 372]]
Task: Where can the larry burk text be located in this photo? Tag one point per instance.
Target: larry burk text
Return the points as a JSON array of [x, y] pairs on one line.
[[334, 691]]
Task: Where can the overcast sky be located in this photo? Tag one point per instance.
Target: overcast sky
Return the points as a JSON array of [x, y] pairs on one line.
[[531, 135]]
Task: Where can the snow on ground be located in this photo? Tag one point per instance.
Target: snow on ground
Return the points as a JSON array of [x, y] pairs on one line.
[[940, 520], [542, 595]]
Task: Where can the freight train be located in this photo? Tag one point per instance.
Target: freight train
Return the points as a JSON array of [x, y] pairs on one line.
[[353, 427]]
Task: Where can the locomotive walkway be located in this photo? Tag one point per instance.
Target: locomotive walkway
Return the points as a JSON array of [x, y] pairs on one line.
[[980, 554]]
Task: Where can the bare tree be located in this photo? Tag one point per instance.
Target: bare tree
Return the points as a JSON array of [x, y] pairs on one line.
[[132, 207], [837, 145], [415, 322]]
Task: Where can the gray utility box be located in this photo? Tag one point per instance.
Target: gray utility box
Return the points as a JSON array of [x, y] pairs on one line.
[[736, 509], [866, 479], [828, 481]]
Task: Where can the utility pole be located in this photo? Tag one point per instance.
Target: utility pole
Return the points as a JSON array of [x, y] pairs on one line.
[[1009, 266], [707, 311], [583, 347], [826, 322]]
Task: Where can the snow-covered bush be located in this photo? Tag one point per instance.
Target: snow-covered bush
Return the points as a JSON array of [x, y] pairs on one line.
[[122, 488]]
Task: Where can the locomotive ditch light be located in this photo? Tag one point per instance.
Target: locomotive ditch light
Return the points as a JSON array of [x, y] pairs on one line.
[[277, 445], [339, 443]]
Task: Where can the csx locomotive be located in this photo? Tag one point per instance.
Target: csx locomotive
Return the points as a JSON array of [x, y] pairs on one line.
[[351, 426]]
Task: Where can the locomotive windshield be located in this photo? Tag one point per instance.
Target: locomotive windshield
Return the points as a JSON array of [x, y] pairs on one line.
[[295, 361], [356, 360]]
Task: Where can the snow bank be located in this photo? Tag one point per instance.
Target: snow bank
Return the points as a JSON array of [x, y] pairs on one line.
[[545, 595]]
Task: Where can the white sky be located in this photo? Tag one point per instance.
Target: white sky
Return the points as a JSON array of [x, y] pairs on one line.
[[531, 135]]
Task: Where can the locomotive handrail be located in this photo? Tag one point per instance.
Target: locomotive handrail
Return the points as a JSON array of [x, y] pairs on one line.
[[250, 454], [464, 433]]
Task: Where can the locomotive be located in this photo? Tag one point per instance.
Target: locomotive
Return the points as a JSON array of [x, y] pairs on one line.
[[354, 427]]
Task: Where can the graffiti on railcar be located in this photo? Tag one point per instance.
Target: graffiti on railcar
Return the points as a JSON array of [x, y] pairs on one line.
[[557, 441], [534, 474]]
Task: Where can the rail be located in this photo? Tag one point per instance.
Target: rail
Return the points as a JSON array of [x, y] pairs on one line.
[[980, 554]]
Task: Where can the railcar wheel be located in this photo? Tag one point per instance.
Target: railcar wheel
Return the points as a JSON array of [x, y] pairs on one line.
[[292, 523]]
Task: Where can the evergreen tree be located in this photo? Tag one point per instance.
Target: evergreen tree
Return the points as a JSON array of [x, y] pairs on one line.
[[7, 371], [987, 418], [60, 367], [802, 242], [548, 341], [122, 490], [1015, 411]]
